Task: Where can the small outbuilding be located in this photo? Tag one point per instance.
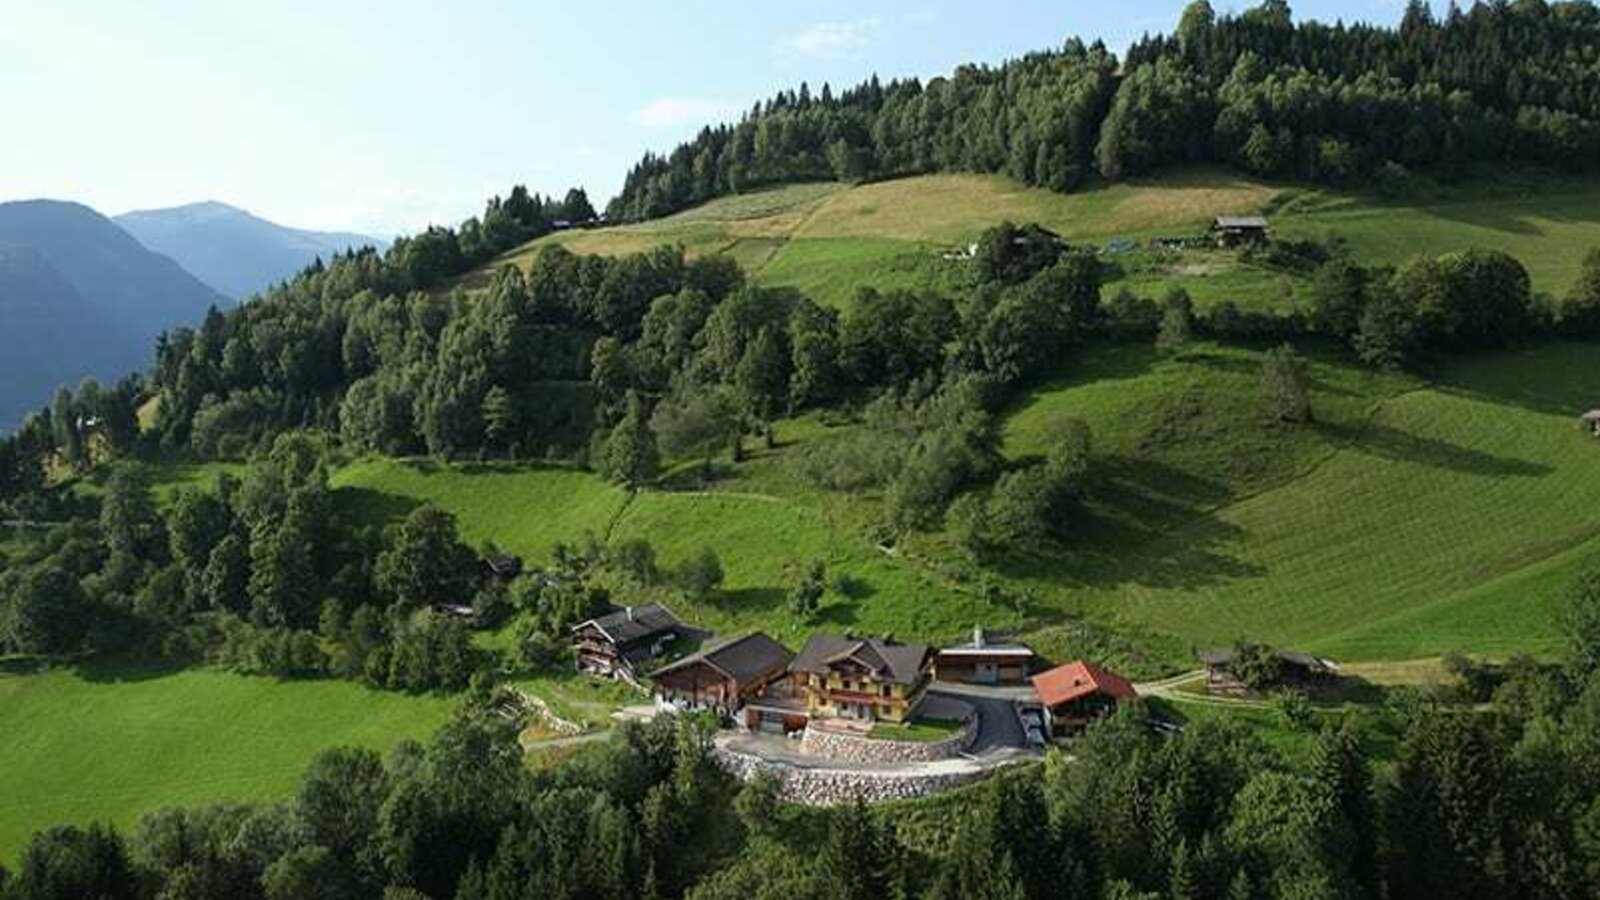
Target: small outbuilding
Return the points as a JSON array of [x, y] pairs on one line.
[[1234, 231], [1591, 421], [501, 566], [724, 675], [984, 660], [1294, 669], [1076, 694]]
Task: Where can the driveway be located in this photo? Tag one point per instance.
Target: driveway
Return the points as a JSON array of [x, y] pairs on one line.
[[999, 729]]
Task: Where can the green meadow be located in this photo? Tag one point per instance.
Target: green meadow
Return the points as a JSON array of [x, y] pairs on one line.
[[108, 743]]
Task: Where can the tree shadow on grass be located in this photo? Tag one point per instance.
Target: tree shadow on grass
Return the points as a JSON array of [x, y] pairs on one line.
[[1559, 378], [838, 614], [1391, 443], [372, 507], [748, 600], [123, 670], [1145, 524]]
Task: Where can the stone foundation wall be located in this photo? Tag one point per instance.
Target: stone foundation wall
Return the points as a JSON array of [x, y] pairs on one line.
[[848, 747], [829, 787]]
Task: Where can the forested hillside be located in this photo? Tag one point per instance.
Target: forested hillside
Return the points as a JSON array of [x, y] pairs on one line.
[[1499, 83]]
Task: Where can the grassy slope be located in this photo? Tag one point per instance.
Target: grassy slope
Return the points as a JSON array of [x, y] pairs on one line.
[[1452, 520], [1548, 223], [102, 745], [829, 239], [524, 509]]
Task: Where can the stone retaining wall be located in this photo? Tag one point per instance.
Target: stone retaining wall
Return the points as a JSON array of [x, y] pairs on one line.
[[848, 747], [828, 787], [541, 711]]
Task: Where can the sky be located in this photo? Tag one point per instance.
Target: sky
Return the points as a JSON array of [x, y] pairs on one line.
[[384, 117]]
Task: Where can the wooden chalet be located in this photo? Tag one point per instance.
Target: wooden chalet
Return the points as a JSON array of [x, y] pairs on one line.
[[616, 645], [1076, 694], [1234, 231], [724, 675], [867, 679], [1297, 670], [983, 660]]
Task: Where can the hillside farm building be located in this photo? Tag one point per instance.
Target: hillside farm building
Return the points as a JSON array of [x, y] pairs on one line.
[[615, 645], [1076, 694], [1235, 231], [1295, 669], [1591, 421], [724, 676], [983, 661], [861, 678]]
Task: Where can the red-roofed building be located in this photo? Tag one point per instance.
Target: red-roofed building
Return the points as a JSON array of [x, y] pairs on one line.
[[1075, 694]]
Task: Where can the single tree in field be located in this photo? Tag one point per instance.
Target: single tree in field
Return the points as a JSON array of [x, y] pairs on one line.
[[1286, 382], [499, 417], [1583, 625], [1177, 323], [701, 574], [763, 379], [697, 422], [631, 454], [806, 598], [425, 561]]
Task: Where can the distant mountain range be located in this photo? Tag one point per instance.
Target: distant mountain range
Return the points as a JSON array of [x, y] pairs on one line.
[[233, 251], [79, 296]]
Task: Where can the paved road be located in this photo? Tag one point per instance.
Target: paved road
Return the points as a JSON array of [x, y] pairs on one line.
[[998, 727]]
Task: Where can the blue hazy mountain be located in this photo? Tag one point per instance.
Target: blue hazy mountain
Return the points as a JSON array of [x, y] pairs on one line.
[[79, 296], [233, 251]]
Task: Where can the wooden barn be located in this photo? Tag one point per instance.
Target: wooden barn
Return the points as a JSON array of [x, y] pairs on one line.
[[984, 660], [1295, 669], [1236, 231], [724, 676], [617, 644]]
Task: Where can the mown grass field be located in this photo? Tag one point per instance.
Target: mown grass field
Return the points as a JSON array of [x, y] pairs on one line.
[[829, 240], [110, 744], [523, 509], [1452, 518]]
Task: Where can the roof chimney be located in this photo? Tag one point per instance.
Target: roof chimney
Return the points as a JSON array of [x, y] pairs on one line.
[[977, 636], [630, 613]]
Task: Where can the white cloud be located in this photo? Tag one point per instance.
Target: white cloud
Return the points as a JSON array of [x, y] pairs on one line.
[[833, 39], [671, 112]]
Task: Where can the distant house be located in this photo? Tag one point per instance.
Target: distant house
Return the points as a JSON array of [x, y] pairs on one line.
[[983, 661], [617, 644], [1591, 420], [1296, 669], [861, 678], [1234, 231], [724, 675], [1076, 694], [501, 566]]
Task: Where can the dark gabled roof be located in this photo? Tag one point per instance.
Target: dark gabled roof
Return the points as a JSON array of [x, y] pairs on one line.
[[504, 564], [1224, 658], [888, 661], [635, 623], [743, 659]]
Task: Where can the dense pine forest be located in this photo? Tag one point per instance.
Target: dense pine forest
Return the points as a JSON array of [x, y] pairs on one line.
[[1499, 83], [1498, 802]]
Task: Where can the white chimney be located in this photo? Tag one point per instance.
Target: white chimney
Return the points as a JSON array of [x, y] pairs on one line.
[[977, 636]]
